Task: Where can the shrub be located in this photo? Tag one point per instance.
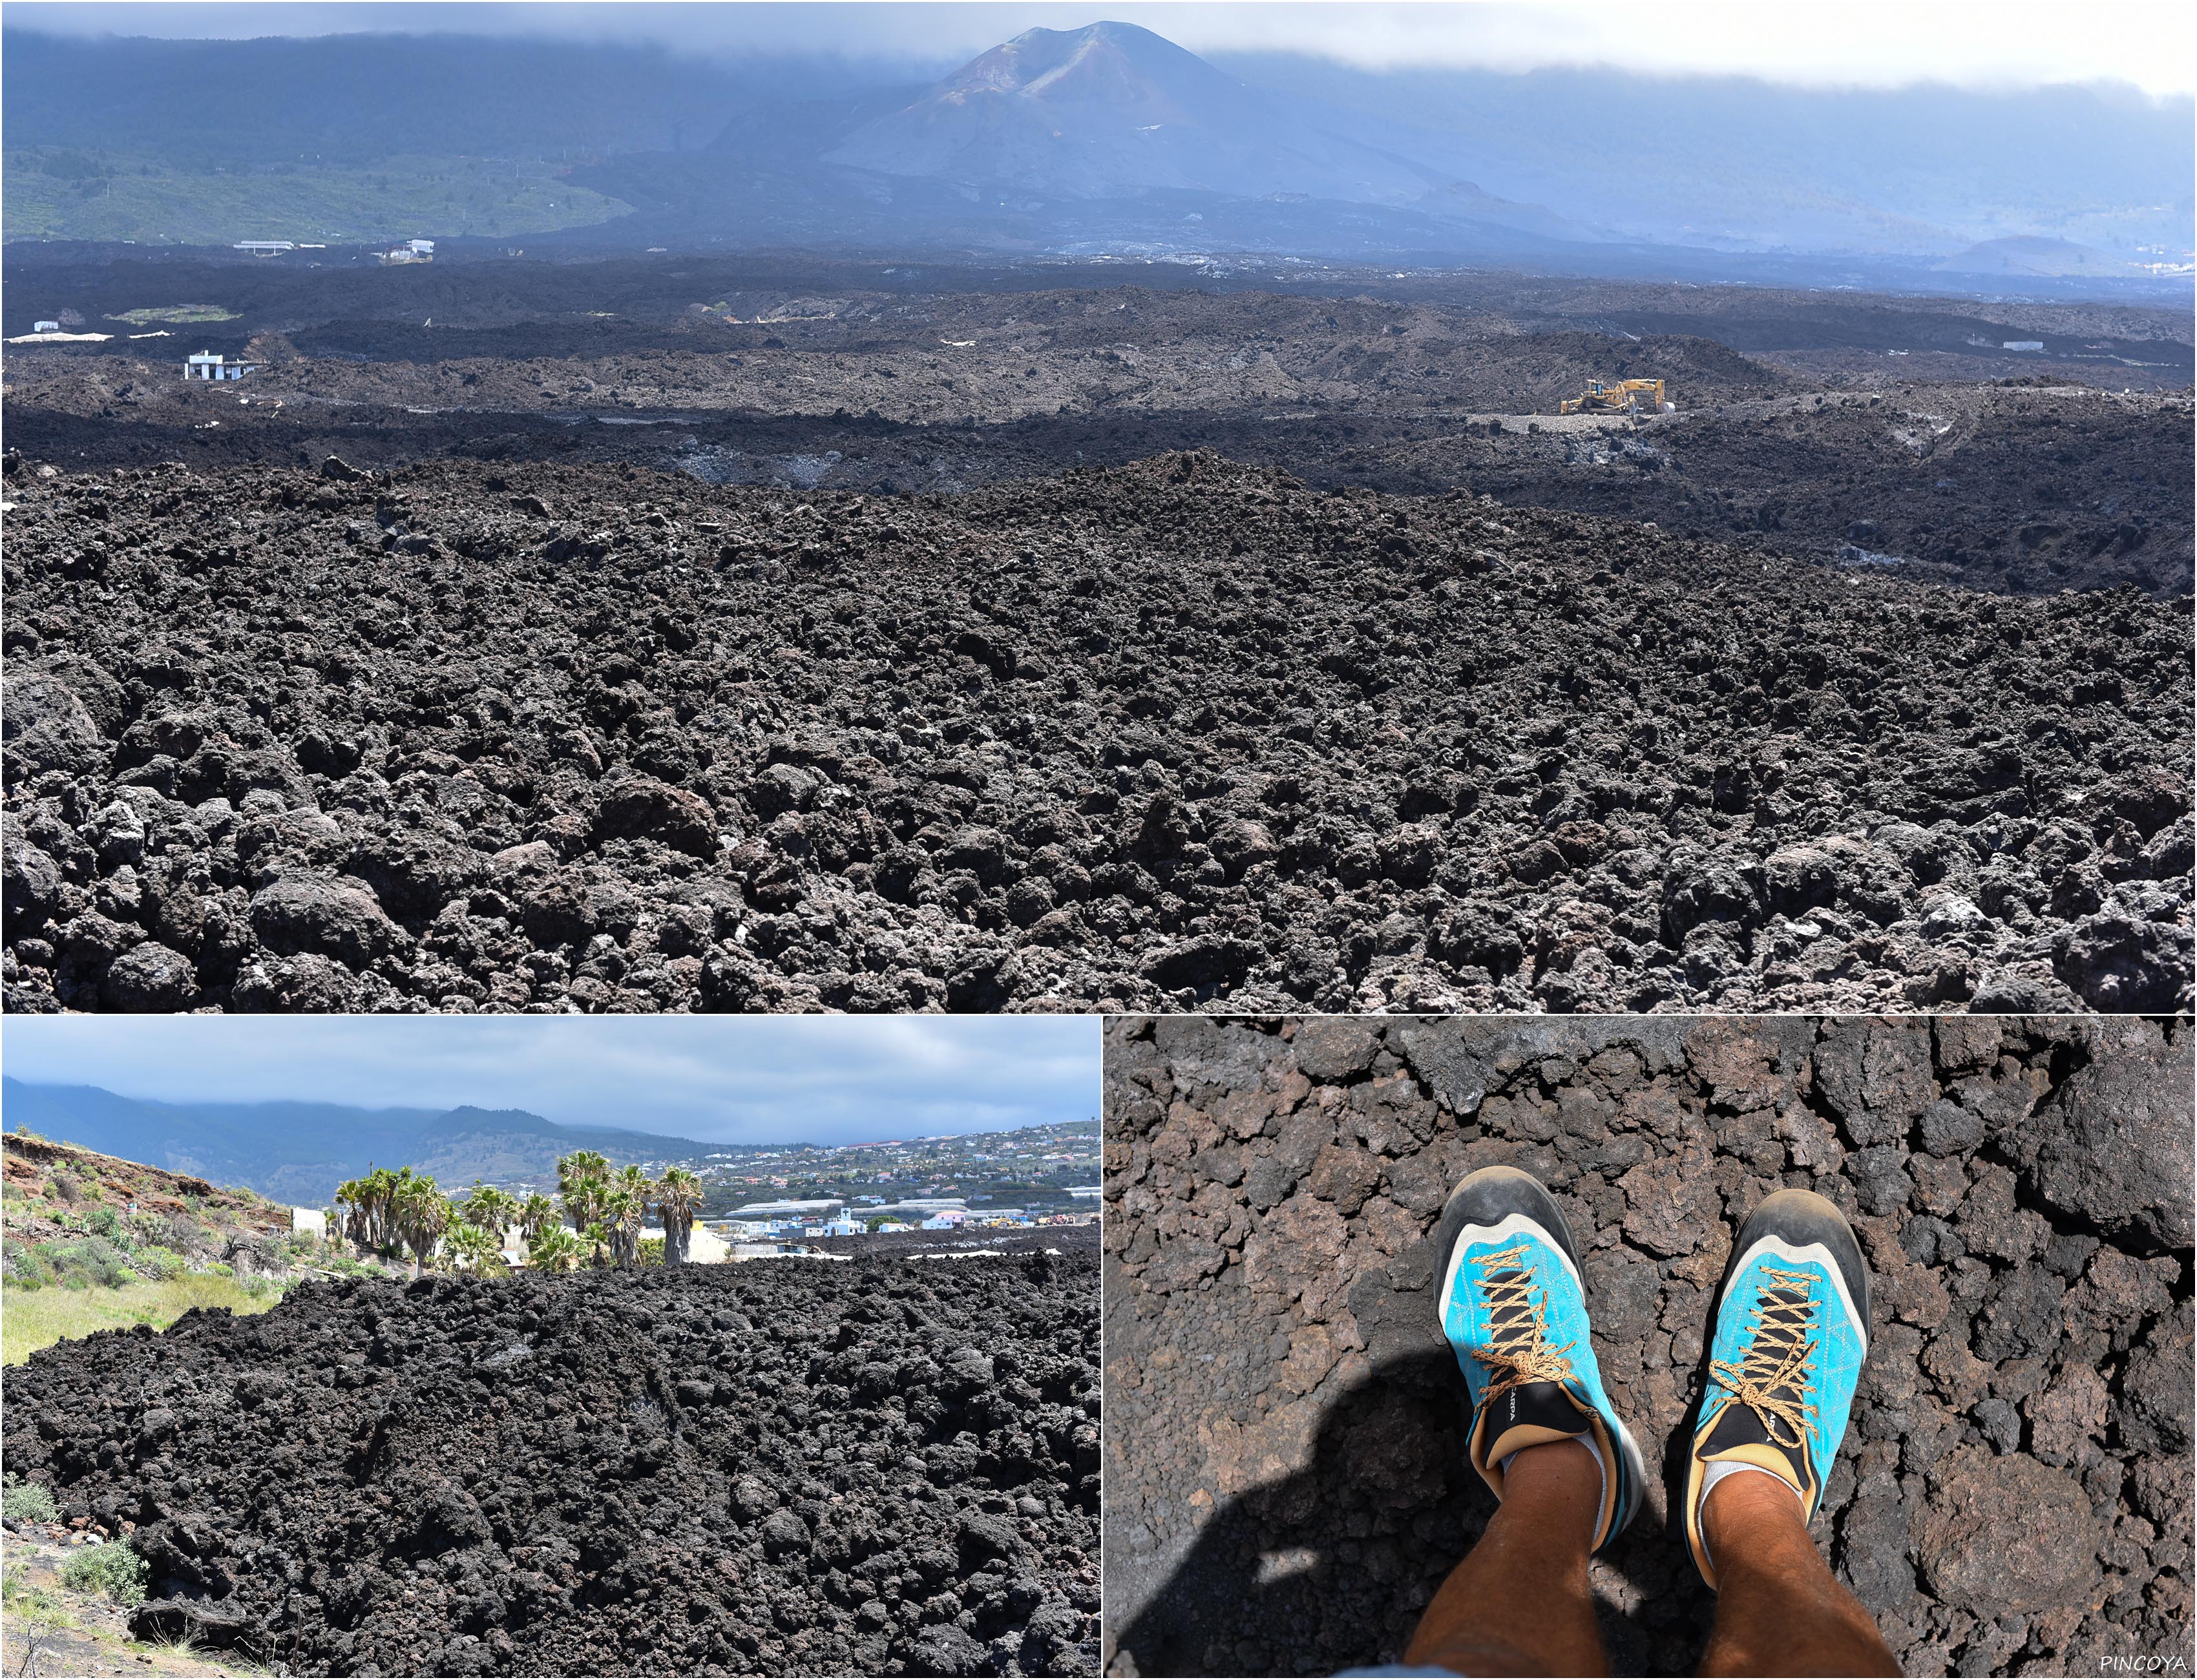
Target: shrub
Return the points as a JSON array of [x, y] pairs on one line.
[[158, 1263], [22, 1266], [221, 1269], [112, 1570], [651, 1251], [92, 1259], [104, 1222], [174, 1231], [64, 1187], [28, 1501]]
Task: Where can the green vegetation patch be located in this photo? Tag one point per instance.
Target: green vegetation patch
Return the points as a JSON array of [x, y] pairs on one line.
[[152, 202], [32, 1319], [28, 1501], [179, 314], [112, 1571]]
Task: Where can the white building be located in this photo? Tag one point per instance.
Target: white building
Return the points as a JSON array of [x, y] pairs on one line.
[[45, 327], [313, 1221], [764, 1210], [264, 247], [205, 365]]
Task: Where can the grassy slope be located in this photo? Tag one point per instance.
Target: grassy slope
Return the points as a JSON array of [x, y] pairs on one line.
[[36, 1318], [405, 197]]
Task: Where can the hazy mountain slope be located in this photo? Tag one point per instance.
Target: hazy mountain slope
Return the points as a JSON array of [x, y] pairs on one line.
[[1102, 138], [1732, 161], [300, 1151], [1110, 109]]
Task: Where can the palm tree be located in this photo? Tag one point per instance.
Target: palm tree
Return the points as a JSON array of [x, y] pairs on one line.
[[492, 1210], [598, 1238], [634, 1192], [536, 1214], [372, 1221], [678, 1199], [552, 1248], [423, 1214], [477, 1248], [623, 1210], [582, 1181]]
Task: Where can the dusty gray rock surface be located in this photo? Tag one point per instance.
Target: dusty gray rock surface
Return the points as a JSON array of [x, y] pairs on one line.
[[1285, 1478], [1183, 735], [1952, 462]]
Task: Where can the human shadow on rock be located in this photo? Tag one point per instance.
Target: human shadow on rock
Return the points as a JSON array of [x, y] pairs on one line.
[[1329, 1568]]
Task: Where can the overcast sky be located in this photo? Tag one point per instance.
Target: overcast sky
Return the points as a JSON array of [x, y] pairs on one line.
[[1868, 42], [750, 1080]]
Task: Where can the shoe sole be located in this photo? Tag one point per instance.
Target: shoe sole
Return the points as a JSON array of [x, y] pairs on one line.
[[1485, 1199]]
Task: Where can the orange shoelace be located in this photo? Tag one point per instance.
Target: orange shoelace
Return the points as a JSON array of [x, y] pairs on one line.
[[1771, 1378], [1518, 1330]]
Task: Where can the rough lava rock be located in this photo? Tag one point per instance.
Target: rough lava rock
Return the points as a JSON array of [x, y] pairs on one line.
[[1181, 735], [788, 1467]]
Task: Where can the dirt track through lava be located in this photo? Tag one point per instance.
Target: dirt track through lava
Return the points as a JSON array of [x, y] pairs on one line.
[[786, 1467], [1285, 1476]]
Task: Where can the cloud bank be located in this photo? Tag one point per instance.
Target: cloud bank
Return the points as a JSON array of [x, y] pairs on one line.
[[1877, 43]]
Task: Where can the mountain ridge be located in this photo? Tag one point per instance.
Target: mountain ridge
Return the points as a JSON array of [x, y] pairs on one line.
[[300, 1151], [1106, 139]]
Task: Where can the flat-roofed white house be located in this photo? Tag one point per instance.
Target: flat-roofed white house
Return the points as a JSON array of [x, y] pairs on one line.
[[207, 365]]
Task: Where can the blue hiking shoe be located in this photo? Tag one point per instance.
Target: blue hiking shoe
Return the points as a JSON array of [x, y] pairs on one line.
[[1792, 1330], [1514, 1309]]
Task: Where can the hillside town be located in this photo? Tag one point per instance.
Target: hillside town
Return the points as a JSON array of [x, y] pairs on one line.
[[1032, 1176]]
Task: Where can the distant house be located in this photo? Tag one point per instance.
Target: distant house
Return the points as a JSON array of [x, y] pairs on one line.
[[2023, 344], [946, 1219], [311, 1221], [264, 247], [412, 251], [205, 365], [45, 327]]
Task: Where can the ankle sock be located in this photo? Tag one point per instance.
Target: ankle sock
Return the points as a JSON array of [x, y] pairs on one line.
[[1602, 1494], [1715, 1473]]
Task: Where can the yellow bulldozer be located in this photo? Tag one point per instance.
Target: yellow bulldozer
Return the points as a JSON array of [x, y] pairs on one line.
[[1622, 396]]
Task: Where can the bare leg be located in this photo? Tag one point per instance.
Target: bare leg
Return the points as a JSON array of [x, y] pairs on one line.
[[1780, 1610], [1520, 1603]]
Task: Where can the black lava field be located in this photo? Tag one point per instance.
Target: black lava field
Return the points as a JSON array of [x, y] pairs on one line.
[[1286, 1481], [1182, 734], [785, 1466]]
